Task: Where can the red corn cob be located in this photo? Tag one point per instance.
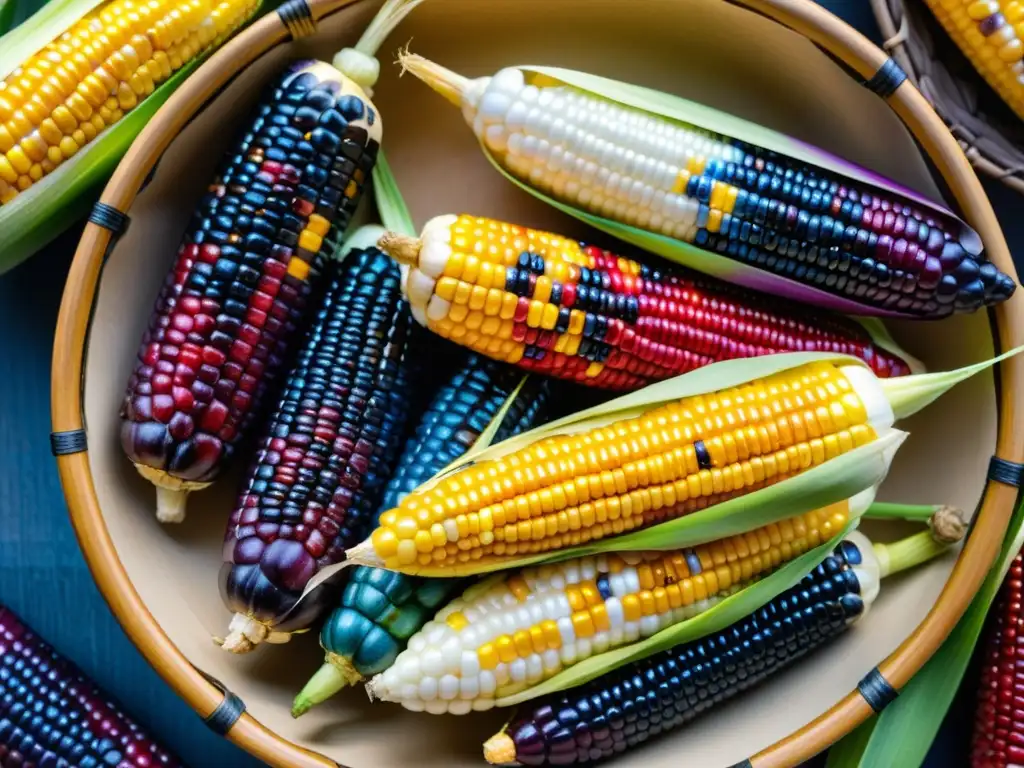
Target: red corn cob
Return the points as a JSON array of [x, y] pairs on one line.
[[999, 718], [242, 282], [554, 306], [52, 715]]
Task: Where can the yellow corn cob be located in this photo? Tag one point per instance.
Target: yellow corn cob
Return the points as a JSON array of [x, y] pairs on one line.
[[990, 34], [537, 621], [567, 490], [84, 81]]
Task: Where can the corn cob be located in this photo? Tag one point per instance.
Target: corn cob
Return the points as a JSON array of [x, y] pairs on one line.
[[870, 245], [558, 307], [538, 621], [325, 455], [570, 489], [381, 609], [641, 700], [52, 715], [459, 413], [95, 72], [990, 34], [999, 720], [241, 286]]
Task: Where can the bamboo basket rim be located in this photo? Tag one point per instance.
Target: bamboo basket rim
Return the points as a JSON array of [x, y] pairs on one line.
[[298, 18]]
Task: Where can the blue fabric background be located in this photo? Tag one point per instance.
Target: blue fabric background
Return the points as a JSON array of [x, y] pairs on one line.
[[42, 574]]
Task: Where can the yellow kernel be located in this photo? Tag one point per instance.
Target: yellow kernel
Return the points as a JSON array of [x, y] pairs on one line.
[[687, 591], [700, 587], [19, 161], [457, 620], [551, 633], [599, 614], [575, 598], [523, 643], [647, 603], [631, 608], [506, 649], [488, 656], [583, 624], [385, 542], [424, 541]]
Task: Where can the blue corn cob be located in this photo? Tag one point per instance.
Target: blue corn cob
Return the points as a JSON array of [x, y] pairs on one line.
[[380, 609]]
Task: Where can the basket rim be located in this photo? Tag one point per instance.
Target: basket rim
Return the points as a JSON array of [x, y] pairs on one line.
[[292, 20]]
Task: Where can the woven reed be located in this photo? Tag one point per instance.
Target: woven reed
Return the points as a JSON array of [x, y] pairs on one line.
[[990, 134]]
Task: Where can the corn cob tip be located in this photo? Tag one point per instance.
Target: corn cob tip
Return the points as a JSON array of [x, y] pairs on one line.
[[449, 84], [948, 524], [500, 749], [245, 633], [336, 673], [401, 248]]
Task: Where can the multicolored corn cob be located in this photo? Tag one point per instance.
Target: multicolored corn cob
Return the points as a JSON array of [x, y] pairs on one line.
[[552, 305], [95, 72], [52, 715], [536, 622], [874, 246], [624, 708], [569, 489], [999, 720], [380, 610], [243, 280], [325, 455], [991, 34]]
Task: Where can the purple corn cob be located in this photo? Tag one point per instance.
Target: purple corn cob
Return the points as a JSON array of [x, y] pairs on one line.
[[51, 715], [325, 456]]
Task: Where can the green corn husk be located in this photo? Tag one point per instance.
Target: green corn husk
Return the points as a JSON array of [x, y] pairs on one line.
[[701, 118], [832, 481], [902, 734]]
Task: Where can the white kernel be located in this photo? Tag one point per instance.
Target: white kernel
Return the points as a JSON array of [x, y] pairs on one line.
[[631, 581], [409, 691], [496, 138], [501, 674], [448, 687], [509, 80], [534, 122], [407, 666], [451, 651], [601, 642], [470, 664], [515, 144], [631, 631], [517, 671], [547, 96], [479, 125], [536, 608], [488, 683], [552, 661], [434, 257], [568, 654], [648, 625], [428, 688], [469, 687], [482, 705], [417, 643], [433, 662], [588, 569], [534, 668], [613, 609], [494, 105], [584, 648], [617, 584], [515, 118], [566, 630]]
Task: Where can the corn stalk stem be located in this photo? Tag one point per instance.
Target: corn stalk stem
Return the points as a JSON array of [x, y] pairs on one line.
[[908, 553]]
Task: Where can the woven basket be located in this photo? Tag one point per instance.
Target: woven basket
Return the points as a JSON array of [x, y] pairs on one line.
[[161, 583], [990, 134]]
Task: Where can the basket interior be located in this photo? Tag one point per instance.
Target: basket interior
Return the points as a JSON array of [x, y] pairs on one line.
[[708, 51]]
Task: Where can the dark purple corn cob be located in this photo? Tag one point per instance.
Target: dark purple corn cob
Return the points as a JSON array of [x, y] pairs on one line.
[[52, 716], [325, 456], [246, 273], [624, 708]]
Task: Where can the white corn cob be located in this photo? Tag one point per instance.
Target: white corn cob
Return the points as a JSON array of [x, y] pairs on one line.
[[533, 623]]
